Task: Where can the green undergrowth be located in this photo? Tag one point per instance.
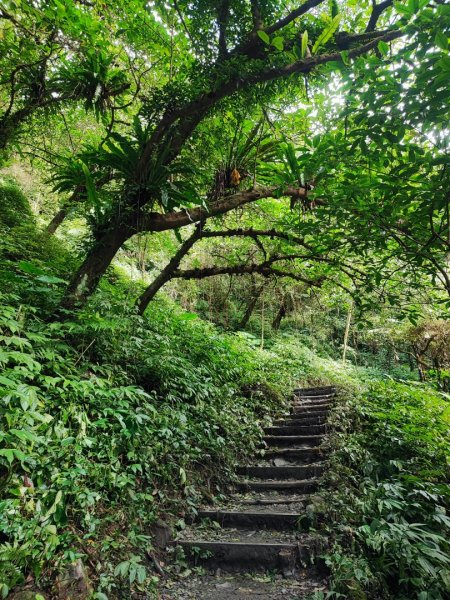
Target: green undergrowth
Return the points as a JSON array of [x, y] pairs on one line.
[[388, 494], [111, 420]]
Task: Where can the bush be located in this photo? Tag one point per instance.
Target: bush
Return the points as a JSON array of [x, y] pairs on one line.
[[108, 422], [390, 495], [15, 209]]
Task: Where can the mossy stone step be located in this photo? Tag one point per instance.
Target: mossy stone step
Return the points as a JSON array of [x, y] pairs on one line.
[[301, 421], [309, 453], [238, 556], [267, 519], [326, 404], [304, 486], [311, 407], [282, 472], [310, 411], [295, 429], [292, 440], [315, 391]]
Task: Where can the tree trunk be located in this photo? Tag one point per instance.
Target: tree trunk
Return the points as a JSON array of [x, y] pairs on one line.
[[256, 293], [94, 266], [279, 316], [57, 220], [347, 331], [166, 274], [420, 369], [262, 325]]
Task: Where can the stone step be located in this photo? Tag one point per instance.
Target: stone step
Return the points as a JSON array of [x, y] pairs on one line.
[[309, 453], [247, 555], [293, 440], [304, 486], [310, 410], [271, 501], [296, 416], [322, 403], [227, 586], [267, 519], [307, 583], [298, 420], [313, 400], [324, 394], [295, 429], [283, 472], [310, 407], [316, 391], [260, 500]]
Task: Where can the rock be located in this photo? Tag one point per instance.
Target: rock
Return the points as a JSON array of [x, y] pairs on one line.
[[223, 586], [162, 534], [74, 583], [280, 462], [287, 563]]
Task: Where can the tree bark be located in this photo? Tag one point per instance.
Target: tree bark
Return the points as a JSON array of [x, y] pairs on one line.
[[167, 273], [347, 331], [93, 267], [57, 220], [256, 293], [279, 316]]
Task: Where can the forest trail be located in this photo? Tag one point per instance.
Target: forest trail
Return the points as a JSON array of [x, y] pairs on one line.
[[252, 545]]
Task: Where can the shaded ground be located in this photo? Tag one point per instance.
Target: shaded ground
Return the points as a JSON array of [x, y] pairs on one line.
[[227, 587]]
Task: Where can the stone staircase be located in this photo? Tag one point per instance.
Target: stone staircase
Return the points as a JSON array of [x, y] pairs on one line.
[[257, 530]]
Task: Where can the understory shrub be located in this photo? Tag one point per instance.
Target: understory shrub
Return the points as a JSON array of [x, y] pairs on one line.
[[389, 494], [112, 420]]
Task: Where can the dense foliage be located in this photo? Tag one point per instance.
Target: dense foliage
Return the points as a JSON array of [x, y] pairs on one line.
[[203, 205], [390, 494]]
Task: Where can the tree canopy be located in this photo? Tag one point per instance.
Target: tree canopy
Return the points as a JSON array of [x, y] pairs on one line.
[[198, 109]]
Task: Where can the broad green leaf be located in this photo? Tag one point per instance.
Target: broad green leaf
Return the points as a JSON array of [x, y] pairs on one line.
[[441, 40], [327, 33], [263, 36], [278, 43], [90, 187], [31, 268], [8, 453], [383, 47], [304, 43]]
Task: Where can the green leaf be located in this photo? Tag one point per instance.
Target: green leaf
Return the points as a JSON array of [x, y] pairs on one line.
[[187, 316], [50, 279], [28, 267], [24, 435], [8, 453], [441, 40], [264, 37], [383, 47], [345, 57], [182, 475], [403, 10], [90, 187], [278, 43], [304, 43], [326, 34]]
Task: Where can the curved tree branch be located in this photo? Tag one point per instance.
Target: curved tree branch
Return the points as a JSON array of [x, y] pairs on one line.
[[377, 10]]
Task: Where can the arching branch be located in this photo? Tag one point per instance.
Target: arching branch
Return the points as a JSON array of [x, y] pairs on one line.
[[264, 269], [377, 10], [167, 273]]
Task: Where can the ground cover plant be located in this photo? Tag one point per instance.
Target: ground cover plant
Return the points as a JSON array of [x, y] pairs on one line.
[[391, 472]]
